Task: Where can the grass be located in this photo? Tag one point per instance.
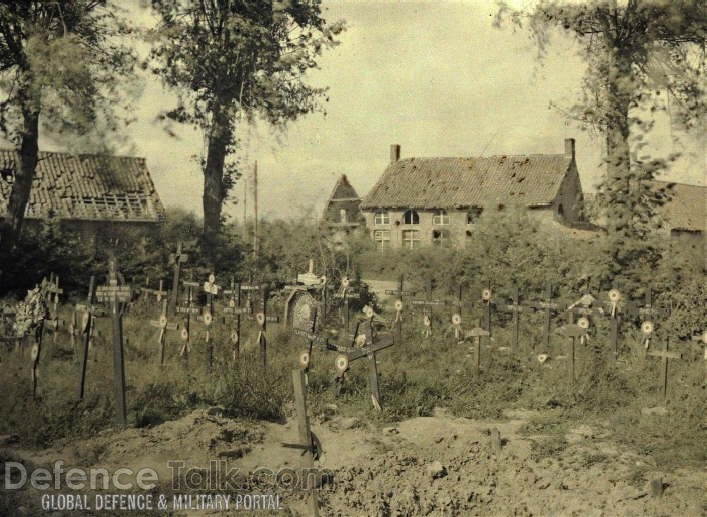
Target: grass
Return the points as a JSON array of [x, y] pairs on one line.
[[414, 379]]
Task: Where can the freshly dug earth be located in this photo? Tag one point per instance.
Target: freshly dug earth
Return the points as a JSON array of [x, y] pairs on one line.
[[437, 465]]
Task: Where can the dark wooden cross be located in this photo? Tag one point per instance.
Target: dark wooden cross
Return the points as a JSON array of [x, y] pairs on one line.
[[614, 310], [262, 319], [117, 296], [665, 355], [477, 333], [649, 311], [426, 305], [549, 307], [164, 325], [188, 310], [515, 308], [702, 338], [176, 259], [364, 346], [572, 332], [234, 308], [89, 311]]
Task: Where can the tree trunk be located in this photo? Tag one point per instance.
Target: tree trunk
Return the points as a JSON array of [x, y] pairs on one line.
[[220, 135], [24, 174], [618, 165]]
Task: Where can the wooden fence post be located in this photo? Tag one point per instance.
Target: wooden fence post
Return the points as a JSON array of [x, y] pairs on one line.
[[305, 435]]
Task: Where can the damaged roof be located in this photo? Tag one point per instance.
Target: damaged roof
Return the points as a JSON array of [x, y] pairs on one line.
[[429, 183], [85, 187]]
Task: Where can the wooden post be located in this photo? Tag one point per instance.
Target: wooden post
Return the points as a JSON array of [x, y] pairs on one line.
[[399, 323], [373, 365], [548, 316], [665, 355], [572, 331], [486, 296], [477, 333], [36, 351], [305, 436], [177, 259], [516, 319], [117, 296], [164, 325], [86, 330]]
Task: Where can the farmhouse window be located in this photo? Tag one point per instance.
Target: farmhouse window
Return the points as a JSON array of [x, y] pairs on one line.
[[382, 239], [440, 238], [440, 218], [411, 239], [473, 214], [381, 218], [342, 215], [411, 217]]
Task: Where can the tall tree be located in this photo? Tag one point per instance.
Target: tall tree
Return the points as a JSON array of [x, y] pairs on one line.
[[61, 66], [231, 60], [636, 51]]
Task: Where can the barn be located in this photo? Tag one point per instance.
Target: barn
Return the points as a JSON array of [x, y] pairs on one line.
[[87, 194], [436, 201]]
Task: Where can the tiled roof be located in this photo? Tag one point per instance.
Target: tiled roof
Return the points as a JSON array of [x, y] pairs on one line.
[[531, 180], [85, 187], [685, 210]]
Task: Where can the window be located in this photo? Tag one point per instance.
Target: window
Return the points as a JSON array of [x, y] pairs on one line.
[[440, 238], [473, 214], [342, 215], [440, 218], [382, 239], [381, 218], [411, 217], [411, 239]]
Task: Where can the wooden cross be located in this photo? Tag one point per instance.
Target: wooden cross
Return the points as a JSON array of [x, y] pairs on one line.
[[262, 320], [426, 304], [308, 441], [549, 307], [52, 288], [665, 355], [164, 325], [400, 293], [177, 259], [89, 312], [188, 310], [367, 347], [211, 288], [515, 308], [614, 311], [117, 295], [345, 294], [477, 333], [572, 331], [487, 301], [158, 293], [649, 311], [305, 358], [234, 308]]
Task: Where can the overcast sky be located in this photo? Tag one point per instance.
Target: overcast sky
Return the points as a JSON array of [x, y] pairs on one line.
[[435, 77]]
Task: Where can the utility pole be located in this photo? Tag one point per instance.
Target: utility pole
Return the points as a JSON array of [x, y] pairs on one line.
[[255, 201]]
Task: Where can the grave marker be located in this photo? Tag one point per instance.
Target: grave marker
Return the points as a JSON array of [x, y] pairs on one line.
[[515, 308], [306, 438], [665, 356], [571, 331], [234, 307], [52, 288], [477, 333], [487, 301], [117, 295], [364, 345], [86, 330], [187, 310], [164, 325], [548, 306], [176, 259]]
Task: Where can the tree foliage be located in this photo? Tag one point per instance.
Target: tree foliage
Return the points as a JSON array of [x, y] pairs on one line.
[[642, 56], [233, 60], [62, 70]]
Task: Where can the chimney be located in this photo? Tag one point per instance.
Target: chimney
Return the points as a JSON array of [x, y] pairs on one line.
[[394, 153], [569, 148]]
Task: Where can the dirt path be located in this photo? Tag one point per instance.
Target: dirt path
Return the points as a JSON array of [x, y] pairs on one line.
[[437, 465]]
